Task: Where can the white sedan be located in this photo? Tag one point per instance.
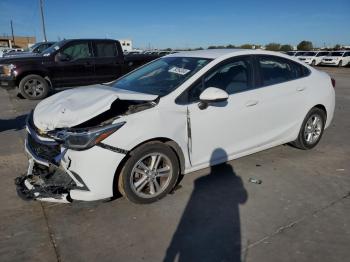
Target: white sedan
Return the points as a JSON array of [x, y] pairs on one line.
[[313, 57], [337, 58], [180, 113]]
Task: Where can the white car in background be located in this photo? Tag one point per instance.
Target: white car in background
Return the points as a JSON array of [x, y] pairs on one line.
[[180, 113], [337, 58], [313, 57]]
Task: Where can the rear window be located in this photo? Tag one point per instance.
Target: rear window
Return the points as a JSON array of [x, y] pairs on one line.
[[275, 70], [106, 49]]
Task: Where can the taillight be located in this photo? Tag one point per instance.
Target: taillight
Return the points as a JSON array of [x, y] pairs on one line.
[[333, 82]]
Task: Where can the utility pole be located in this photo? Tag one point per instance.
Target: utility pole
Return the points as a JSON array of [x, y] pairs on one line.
[[13, 36], [42, 20]]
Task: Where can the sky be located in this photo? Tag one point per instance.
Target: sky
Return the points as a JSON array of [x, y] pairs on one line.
[[183, 24]]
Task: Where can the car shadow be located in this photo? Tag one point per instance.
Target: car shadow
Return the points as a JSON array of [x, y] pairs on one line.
[[17, 123], [209, 229]]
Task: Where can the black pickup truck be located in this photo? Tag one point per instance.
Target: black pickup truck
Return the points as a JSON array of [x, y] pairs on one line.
[[68, 63]]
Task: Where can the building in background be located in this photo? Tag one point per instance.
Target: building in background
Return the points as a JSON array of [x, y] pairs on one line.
[[126, 44], [20, 41]]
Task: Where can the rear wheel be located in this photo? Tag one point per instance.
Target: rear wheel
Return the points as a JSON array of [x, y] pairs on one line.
[[34, 87], [311, 130], [149, 174]]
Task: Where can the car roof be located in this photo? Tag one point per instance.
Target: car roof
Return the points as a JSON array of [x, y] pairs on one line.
[[223, 53], [207, 53]]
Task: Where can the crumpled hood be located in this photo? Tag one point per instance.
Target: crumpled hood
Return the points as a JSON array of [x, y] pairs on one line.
[[75, 106]]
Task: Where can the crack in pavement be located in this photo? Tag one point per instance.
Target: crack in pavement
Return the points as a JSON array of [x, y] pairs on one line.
[[51, 234], [292, 224]]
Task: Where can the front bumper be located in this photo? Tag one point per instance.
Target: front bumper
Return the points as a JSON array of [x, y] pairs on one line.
[[56, 174], [332, 62], [306, 61], [7, 82]]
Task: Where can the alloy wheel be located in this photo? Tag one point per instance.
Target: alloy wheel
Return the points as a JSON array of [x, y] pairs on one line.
[[313, 129], [34, 88], [151, 175]]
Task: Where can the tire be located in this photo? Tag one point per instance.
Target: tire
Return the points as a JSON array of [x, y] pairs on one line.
[[340, 64], [137, 175], [33, 87], [313, 63], [310, 135]]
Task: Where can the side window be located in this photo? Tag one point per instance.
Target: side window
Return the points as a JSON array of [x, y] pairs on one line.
[[41, 48], [106, 49], [347, 54], [77, 51], [275, 70], [233, 76]]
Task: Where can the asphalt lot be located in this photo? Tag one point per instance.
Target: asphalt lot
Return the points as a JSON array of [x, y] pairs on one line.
[[301, 211]]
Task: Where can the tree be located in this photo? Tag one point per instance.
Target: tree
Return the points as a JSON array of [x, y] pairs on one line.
[[286, 48], [305, 46], [337, 47], [212, 47], [246, 46], [273, 47], [230, 46]]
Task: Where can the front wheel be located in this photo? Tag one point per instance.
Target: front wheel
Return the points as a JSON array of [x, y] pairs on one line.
[[340, 64], [33, 87], [149, 174], [311, 130], [313, 63]]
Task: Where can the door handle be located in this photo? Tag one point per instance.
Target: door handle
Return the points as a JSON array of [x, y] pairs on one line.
[[251, 103], [301, 88]]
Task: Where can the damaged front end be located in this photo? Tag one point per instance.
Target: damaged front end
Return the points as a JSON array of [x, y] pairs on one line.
[[46, 178], [49, 177]]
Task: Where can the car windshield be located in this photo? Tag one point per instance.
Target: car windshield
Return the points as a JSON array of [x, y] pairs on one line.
[[337, 53], [322, 54], [162, 76], [299, 53], [309, 54], [291, 53], [53, 48]]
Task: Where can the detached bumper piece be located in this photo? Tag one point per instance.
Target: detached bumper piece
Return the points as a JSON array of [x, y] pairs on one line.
[[44, 183]]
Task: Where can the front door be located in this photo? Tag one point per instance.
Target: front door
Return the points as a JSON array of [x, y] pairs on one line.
[[223, 128], [78, 68]]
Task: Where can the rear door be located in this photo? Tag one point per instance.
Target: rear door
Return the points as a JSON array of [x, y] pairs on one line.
[[78, 69], [108, 61], [282, 100]]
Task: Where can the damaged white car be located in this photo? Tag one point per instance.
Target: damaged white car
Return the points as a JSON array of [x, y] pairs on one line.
[[178, 114]]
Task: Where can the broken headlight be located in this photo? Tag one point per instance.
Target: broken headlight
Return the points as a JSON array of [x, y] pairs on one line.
[[81, 139]]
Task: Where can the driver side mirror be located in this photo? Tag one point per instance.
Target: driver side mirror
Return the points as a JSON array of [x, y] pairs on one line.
[[61, 57], [211, 95]]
